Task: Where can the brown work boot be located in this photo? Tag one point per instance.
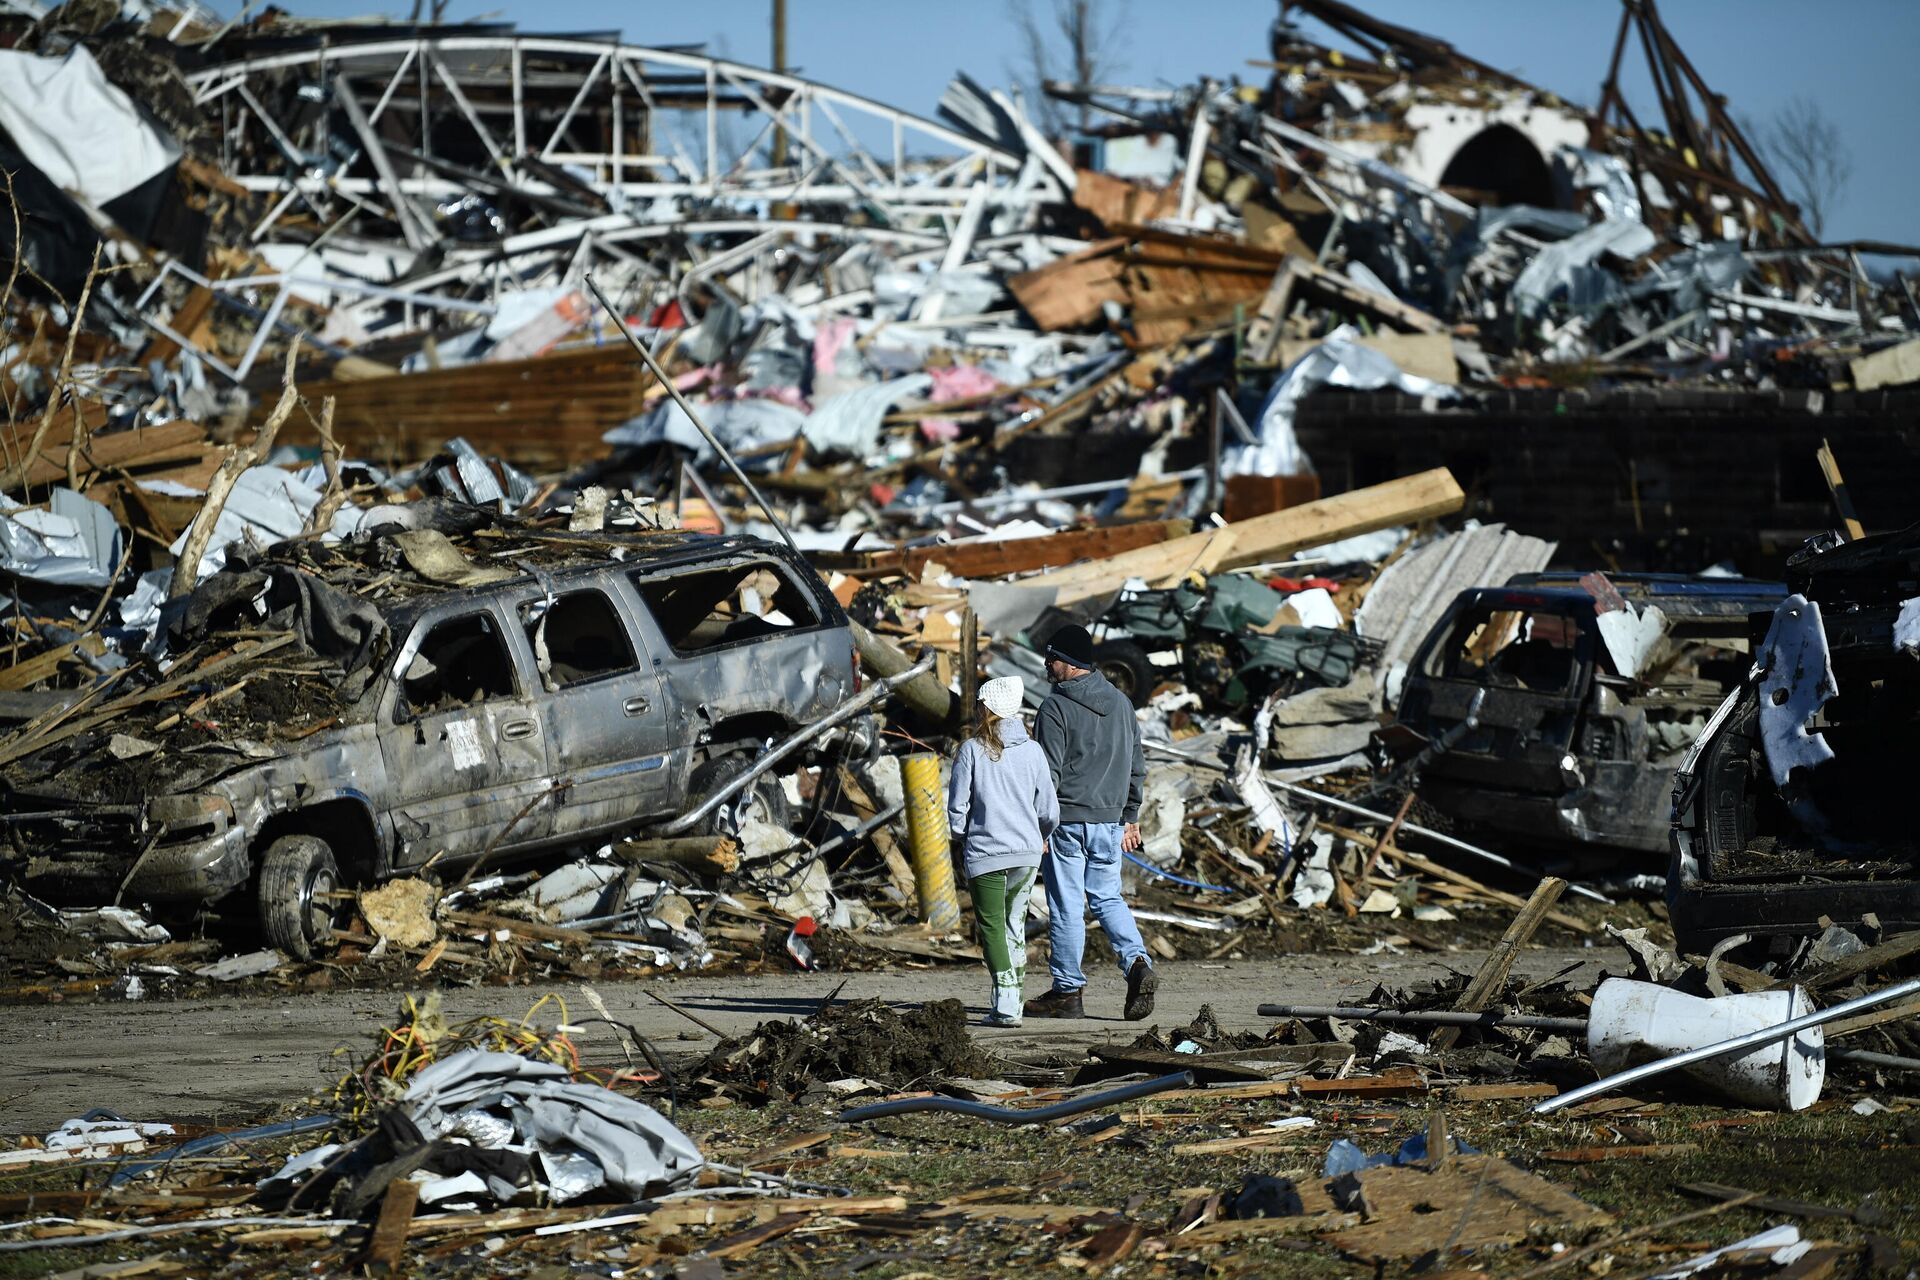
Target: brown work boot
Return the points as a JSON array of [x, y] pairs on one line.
[[1142, 982], [1056, 1004]]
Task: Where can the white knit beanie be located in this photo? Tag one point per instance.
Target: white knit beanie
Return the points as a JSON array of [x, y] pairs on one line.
[[1003, 696]]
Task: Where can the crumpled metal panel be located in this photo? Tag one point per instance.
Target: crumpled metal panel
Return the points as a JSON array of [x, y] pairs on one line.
[[1796, 680], [1411, 594]]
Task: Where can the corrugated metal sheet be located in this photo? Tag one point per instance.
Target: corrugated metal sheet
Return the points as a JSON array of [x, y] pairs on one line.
[[1417, 588]]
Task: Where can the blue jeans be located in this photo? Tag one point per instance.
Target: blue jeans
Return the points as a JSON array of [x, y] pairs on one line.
[[1082, 870]]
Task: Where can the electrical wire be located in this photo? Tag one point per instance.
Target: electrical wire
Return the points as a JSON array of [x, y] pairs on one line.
[[1144, 865]]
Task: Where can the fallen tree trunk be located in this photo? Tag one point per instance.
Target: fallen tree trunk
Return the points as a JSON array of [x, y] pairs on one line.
[[883, 659], [713, 855]]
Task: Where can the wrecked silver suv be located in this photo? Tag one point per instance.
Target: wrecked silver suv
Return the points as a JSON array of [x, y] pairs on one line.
[[1790, 812], [578, 686]]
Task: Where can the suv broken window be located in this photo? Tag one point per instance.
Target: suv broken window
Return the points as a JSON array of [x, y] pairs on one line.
[[576, 638], [462, 661], [1512, 648], [715, 607]]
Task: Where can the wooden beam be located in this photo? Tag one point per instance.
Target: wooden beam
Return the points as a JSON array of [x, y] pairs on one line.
[[1492, 977], [388, 1243], [1263, 538], [715, 855], [1837, 486], [996, 559]]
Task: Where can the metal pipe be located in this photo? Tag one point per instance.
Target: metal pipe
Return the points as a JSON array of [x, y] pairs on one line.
[[1866, 1058], [1485, 854], [1427, 1017], [845, 711], [1752, 1040], [713, 441], [832, 844], [1014, 1115]]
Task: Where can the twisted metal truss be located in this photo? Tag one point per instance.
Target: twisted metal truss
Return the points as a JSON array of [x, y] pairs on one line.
[[382, 133], [444, 169]]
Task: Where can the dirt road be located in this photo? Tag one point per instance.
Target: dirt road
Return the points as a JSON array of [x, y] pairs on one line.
[[227, 1060]]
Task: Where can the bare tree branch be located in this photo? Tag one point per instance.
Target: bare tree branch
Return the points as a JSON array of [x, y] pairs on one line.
[[1810, 153], [1074, 40]]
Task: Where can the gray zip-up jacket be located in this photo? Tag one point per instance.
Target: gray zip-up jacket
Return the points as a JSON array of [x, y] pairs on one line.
[[1092, 742], [1001, 810]]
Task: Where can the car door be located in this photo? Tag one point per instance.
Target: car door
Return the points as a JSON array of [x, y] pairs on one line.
[[608, 735], [463, 742], [1534, 662]]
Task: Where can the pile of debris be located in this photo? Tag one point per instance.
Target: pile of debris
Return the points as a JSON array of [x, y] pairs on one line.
[[1365, 1134], [535, 314]]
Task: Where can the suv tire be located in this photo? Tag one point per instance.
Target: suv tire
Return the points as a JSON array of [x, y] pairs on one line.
[[763, 798], [1127, 668], [296, 875]]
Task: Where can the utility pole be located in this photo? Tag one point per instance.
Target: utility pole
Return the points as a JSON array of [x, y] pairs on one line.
[[779, 65]]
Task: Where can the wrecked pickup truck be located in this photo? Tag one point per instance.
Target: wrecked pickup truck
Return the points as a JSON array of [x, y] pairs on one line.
[[490, 712], [1789, 812], [1585, 694]]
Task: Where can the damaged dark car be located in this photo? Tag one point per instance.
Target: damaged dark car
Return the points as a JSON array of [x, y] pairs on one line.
[[1787, 812], [1563, 702], [419, 710]]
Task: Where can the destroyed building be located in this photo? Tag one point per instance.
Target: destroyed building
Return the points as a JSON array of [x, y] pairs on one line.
[[486, 508]]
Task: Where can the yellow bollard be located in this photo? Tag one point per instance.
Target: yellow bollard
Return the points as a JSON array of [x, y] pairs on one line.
[[931, 842]]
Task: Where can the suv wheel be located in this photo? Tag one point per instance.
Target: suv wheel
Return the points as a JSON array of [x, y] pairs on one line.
[[1127, 668], [764, 798], [297, 878]]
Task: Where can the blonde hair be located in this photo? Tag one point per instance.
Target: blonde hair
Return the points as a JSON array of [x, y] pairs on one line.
[[987, 729]]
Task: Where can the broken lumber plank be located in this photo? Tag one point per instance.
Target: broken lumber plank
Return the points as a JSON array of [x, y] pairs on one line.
[[1208, 1068], [1261, 1143], [1263, 538], [388, 1243], [1021, 1211], [1465, 881], [1398, 1082], [787, 1148], [1253, 1228], [1847, 968], [753, 1237], [1642, 1151], [1720, 1191], [531, 929], [1492, 977], [1501, 1092], [999, 558], [1111, 1245], [1877, 1018], [716, 855]]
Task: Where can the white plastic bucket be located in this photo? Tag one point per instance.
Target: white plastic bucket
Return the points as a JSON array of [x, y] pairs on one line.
[[1636, 1022]]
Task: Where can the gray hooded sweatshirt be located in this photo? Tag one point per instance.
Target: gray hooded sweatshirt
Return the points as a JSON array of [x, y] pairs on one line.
[[1092, 742], [1001, 811]]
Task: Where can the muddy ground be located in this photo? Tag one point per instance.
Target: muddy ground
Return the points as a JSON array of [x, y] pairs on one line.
[[229, 1060]]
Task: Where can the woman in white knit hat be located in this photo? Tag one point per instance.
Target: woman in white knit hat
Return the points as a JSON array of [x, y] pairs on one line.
[[1001, 808]]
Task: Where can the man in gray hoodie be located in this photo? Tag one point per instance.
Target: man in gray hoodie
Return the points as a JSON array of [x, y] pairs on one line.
[[1092, 743]]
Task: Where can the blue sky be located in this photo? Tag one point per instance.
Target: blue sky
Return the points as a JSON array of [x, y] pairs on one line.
[[1854, 57]]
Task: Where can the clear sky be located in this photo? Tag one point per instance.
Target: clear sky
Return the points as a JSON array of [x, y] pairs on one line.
[[1855, 58]]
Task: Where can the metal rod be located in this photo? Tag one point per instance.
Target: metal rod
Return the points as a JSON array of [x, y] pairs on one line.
[[845, 711], [1866, 1058], [834, 843], [1427, 1017], [620, 322], [1014, 1115], [1752, 1040]]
